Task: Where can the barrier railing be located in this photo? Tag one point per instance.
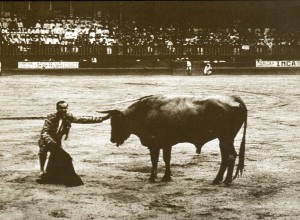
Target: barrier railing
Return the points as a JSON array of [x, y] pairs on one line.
[[116, 50]]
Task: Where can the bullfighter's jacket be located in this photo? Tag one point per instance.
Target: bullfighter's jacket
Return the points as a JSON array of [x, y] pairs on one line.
[[53, 130]]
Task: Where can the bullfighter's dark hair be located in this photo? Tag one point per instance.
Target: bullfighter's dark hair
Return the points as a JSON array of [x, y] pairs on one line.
[[61, 102]]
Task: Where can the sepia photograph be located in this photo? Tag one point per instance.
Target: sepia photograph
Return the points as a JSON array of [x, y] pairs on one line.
[[149, 110]]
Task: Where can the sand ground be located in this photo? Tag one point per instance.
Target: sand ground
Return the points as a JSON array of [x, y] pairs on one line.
[[116, 179]]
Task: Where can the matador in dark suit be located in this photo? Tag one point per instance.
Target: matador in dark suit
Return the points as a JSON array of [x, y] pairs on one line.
[[55, 127]]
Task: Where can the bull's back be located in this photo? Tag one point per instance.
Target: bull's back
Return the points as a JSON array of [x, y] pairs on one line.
[[172, 109]]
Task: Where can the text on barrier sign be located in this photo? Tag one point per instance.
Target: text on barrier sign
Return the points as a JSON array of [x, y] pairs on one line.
[[277, 63], [48, 65]]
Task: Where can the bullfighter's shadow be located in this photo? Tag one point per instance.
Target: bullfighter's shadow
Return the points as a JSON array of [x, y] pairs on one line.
[[60, 170]]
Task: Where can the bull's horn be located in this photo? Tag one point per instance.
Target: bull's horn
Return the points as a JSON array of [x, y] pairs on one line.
[[110, 112]]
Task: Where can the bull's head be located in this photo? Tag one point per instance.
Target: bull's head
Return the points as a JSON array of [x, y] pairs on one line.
[[119, 126]]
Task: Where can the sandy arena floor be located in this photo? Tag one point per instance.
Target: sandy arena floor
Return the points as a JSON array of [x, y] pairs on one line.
[[116, 179]]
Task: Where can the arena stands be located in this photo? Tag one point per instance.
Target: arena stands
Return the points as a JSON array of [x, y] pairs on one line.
[[169, 40], [104, 36]]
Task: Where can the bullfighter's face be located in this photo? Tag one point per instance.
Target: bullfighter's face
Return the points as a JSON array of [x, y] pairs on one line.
[[62, 110]]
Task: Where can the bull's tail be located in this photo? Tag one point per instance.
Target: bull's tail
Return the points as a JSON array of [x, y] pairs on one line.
[[241, 164]]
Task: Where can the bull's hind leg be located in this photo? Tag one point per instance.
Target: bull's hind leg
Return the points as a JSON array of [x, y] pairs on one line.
[[230, 164], [154, 154], [228, 155], [167, 159], [224, 156]]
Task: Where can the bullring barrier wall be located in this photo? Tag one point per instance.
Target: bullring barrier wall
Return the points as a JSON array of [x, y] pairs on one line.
[[142, 68]]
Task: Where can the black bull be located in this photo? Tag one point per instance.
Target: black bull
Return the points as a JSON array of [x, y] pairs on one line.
[[163, 121]]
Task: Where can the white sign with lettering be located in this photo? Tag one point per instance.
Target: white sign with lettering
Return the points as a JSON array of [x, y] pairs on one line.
[[48, 65], [278, 63]]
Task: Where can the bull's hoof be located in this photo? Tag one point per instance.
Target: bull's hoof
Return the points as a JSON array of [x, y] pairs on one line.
[[198, 151], [216, 182], [226, 183], [152, 180], [41, 180], [166, 179]]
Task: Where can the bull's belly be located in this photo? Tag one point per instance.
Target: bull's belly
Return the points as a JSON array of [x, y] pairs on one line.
[[172, 139]]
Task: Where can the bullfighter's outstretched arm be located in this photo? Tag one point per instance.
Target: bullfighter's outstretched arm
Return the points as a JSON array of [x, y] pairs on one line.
[[86, 119]]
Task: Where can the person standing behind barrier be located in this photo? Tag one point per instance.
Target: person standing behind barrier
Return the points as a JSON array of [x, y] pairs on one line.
[[189, 67], [207, 69]]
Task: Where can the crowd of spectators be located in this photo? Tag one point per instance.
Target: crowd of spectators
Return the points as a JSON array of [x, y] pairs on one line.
[[63, 32], [106, 32]]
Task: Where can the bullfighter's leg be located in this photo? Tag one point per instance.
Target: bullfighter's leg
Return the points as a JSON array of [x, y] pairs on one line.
[[43, 158], [223, 167], [154, 153], [167, 159]]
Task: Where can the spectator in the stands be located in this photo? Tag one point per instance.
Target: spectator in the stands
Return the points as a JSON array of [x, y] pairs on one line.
[[38, 24]]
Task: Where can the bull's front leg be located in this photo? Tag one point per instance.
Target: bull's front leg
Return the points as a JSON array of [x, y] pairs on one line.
[[198, 149], [154, 153], [167, 159]]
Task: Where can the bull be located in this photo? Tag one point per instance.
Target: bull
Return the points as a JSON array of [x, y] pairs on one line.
[[163, 121]]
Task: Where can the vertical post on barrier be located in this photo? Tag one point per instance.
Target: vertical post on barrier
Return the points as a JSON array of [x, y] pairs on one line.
[[71, 10], [155, 49]]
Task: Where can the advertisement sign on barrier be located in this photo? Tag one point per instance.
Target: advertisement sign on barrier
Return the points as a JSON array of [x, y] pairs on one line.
[[48, 65], [278, 63]]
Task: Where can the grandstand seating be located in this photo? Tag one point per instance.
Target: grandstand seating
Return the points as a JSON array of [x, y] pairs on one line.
[[97, 37]]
